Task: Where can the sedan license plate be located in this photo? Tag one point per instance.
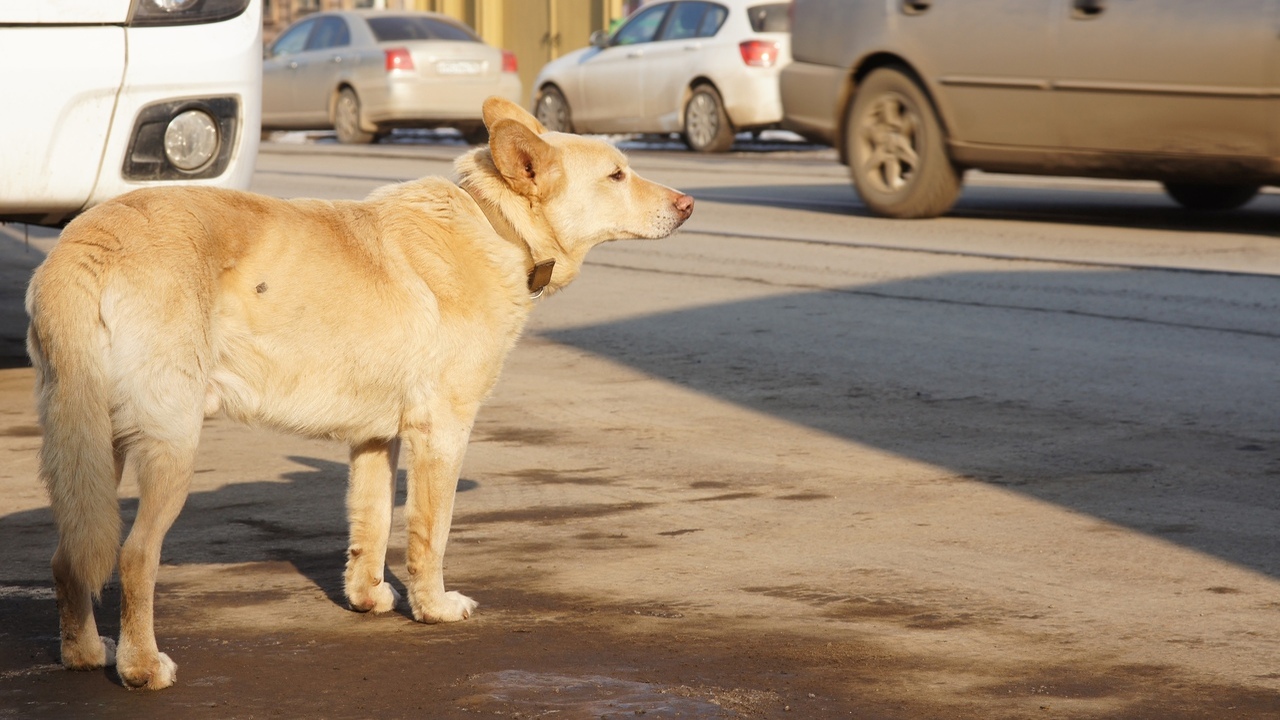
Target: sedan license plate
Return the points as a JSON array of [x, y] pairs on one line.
[[459, 67]]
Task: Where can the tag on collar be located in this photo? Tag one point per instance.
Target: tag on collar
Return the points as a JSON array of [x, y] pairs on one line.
[[540, 275]]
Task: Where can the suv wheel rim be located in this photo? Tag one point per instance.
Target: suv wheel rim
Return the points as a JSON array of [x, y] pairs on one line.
[[703, 118], [888, 142]]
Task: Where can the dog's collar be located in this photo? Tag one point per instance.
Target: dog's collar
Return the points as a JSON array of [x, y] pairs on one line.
[[539, 276]]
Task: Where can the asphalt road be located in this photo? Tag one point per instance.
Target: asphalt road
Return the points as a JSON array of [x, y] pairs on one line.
[[795, 461]]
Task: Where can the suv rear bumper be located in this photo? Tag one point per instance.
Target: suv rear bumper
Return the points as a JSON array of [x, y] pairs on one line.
[[810, 95]]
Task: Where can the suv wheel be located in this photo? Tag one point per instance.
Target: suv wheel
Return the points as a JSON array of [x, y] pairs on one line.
[[896, 149]]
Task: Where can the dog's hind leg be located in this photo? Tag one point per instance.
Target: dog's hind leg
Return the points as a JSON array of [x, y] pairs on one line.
[[164, 477], [79, 463], [370, 500], [435, 459]]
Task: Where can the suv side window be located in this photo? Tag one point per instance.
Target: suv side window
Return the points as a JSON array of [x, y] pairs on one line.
[[331, 32], [684, 21], [294, 40], [643, 27]]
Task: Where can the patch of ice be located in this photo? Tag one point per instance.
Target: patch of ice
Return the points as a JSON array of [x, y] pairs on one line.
[[594, 696], [27, 593]]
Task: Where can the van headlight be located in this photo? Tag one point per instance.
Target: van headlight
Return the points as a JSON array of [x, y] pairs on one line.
[[183, 12], [191, 140]]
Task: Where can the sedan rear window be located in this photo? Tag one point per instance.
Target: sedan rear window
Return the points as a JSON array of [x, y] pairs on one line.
[[769, 18], [396, 28]]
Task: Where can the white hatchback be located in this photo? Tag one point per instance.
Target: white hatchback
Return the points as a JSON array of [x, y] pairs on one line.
[[110, 95], [704, 69]]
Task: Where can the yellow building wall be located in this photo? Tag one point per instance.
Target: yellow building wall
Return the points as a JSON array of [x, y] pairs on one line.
[[537, 31]]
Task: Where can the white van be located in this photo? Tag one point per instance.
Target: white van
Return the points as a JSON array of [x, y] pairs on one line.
[[105, 96]]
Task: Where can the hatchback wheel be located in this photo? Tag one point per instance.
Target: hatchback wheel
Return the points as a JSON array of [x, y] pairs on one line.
[[552, 110], [896, 149], [346, 119], [1207, 197], [706, 125]]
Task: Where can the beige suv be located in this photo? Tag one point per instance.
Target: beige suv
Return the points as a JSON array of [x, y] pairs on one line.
[[914, 92]]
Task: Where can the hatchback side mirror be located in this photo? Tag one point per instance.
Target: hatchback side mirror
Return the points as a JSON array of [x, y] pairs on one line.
[[600, 39]]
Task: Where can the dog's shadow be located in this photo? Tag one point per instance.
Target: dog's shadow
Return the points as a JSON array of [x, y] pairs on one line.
[[240, 522]]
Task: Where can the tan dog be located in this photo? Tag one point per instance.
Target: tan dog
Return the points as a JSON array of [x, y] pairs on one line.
[[368, 322]]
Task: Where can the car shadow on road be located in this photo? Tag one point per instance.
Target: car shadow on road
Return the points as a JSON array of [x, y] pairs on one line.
[[1132, 208], [1086, 393]]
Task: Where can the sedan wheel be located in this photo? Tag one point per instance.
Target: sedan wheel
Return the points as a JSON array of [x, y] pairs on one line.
[[896, 150], [346, 119], [552, 110], [706, 125]]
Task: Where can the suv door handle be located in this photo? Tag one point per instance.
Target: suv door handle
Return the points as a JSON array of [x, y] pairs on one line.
[[915, 7], [1087, 9]]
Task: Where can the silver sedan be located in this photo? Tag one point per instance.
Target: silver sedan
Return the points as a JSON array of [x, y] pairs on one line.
[[363, 73]]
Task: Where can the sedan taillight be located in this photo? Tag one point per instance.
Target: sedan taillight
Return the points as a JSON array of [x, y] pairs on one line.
[[399, 59], [759, 53], [509, 64]]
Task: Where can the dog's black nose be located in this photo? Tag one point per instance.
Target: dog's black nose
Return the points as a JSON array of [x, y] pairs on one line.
[[684, 206]]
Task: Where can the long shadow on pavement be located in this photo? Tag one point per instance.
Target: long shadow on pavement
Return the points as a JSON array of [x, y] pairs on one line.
[[1146, 399]]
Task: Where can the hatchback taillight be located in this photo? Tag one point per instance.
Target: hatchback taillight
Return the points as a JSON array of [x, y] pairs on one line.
[[759, 53], [509, 62], [399, 59]]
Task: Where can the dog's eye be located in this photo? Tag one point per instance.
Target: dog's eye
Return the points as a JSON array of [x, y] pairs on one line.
[[618, 175]]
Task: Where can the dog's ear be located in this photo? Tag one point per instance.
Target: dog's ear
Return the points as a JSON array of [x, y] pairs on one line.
[[497, 109], [527, 162]]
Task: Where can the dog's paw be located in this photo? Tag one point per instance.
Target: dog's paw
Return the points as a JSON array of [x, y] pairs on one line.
[[449, 607], [156, 674], [96, 653], [378, 599]]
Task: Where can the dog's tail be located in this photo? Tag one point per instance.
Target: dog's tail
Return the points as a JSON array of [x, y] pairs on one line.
[[67, 344]]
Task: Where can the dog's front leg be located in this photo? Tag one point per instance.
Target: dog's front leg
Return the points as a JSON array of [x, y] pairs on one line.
[[370, 500], [435, 459]]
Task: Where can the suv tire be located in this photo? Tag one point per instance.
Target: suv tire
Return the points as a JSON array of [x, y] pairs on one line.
[[897, 150]]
